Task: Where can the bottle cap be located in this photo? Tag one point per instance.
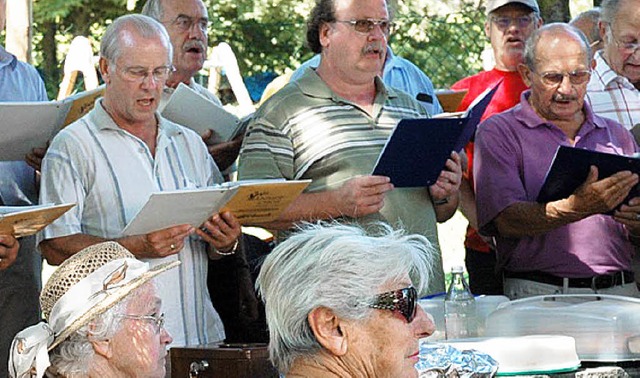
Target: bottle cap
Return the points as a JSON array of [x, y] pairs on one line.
[[457, 269]]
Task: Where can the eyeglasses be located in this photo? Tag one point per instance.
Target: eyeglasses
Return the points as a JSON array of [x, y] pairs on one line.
[[139, 74], [555, 78], [157, 320], [503, 22], [627, 47], [184, 23], [403, 301], [367, 25]]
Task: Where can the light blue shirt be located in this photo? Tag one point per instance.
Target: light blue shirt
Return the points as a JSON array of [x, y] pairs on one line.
[[398, 73], [20, 283], [19, 81]]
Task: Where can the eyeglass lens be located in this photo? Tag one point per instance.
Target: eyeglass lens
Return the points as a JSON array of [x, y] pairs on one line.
[[575, 77], [503, 22]]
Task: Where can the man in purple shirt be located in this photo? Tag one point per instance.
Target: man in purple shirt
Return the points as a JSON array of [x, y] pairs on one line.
[[569, 245]]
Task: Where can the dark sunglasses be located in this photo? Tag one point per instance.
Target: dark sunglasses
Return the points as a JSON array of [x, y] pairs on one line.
[[404, 301]]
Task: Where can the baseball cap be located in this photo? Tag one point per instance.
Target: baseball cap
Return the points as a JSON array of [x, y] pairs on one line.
[[495, 4]]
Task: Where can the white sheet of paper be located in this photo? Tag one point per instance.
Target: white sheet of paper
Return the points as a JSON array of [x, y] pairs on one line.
[[172, 208], [187, 108], [26, 125]]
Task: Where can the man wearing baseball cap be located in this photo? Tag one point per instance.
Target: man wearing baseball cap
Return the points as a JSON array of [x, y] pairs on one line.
[[509, 23]]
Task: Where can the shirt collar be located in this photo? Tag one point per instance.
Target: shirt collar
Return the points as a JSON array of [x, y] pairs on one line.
[[103, 121], [7, 59], [525, 113], [312, 85]]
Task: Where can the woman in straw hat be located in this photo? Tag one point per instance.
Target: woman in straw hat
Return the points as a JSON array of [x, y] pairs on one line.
[[94, 327]]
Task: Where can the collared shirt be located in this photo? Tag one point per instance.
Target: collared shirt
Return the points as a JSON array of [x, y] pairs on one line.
[[19, 81], [110, 174], [506, 97], [20, 283], [398, 73], [514, 150], [613, 96], [305, 131]]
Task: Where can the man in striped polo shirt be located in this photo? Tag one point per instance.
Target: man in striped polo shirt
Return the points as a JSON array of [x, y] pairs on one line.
[[331, 124]]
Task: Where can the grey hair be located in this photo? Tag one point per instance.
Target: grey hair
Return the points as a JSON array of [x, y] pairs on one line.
[[145, 26], [553, 28], [72, 357], [337, 266], [592, 16], [153, 9], [609, 10]]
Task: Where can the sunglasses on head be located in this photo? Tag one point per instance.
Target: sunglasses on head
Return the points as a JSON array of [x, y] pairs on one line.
[[403, 301]]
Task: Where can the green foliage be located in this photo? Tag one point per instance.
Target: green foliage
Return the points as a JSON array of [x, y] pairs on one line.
[[446, 47], [269, 35], [265, 35]]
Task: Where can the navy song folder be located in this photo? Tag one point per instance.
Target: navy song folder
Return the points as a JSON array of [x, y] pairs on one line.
[[418, 149], [570, 168]]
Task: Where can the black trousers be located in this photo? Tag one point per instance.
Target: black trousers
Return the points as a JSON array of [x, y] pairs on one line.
[[483, 278]]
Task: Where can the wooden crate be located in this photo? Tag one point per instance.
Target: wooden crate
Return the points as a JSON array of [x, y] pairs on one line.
[[223, 360]]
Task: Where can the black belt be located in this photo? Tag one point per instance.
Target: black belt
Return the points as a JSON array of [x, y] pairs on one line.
[[603, 281]]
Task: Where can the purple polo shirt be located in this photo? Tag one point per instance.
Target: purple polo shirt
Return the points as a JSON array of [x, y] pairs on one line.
[[514, 150]]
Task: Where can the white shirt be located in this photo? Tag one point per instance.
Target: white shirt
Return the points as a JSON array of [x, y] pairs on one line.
[[613, 96], [110, 173]]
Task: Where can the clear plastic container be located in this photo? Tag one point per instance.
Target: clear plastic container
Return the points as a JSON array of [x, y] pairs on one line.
[[606, 327], [485, 305]]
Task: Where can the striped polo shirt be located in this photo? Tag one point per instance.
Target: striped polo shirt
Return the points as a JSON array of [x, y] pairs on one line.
[[305, 131]]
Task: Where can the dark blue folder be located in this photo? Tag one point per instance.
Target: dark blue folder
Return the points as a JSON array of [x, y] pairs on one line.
[[418, 149], [570, 168]]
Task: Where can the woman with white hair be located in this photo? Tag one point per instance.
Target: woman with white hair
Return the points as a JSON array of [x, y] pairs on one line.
[[103, 319], [342, 302]]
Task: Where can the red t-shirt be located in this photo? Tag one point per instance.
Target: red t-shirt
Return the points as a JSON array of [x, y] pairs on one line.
[[506, 97]]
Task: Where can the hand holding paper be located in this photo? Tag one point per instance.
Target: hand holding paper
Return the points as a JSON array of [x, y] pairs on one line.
[[161, 243], [221, 231], [449, 180], [362, 195]]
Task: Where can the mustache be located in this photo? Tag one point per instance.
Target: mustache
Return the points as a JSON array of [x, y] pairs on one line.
[[564, 97], [373, 47], [194, 44]]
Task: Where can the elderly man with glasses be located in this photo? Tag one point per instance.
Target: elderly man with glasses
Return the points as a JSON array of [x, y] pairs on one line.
[[111, 160], [187, 23], [569, 246], [331, 124], [614, 89], [342, 301], [508, 25]]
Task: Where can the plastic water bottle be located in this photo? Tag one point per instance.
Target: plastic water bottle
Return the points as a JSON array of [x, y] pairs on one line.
[[460, 317]]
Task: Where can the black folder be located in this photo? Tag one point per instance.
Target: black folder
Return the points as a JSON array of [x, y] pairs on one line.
[[418, 149], [570, 168]]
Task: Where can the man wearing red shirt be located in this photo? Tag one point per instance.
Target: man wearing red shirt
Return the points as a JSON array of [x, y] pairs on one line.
[[509, 23]]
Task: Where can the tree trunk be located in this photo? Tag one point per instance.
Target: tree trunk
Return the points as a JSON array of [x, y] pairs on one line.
[[50, 67], [554, 10], [18, 40]]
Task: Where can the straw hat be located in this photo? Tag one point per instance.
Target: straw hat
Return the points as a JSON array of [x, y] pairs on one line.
[[84, 286]]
